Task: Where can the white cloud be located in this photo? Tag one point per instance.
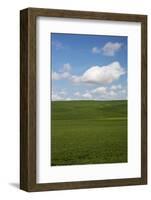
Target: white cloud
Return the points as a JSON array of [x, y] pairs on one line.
[[75, 79], [96, 50], [98, 93], [66, 67], [87, 95], [110, 48], [63, 92], [123, 91], [63, 74], [59, 76], [100, 90], [108, 93], [112, 93], [100, 74], [77, 94], [116, 87], [56, 97], [55, 76], [57, 44], [59, 95], [68, 99]]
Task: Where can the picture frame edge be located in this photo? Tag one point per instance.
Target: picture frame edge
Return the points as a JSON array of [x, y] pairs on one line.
[[27, 99]]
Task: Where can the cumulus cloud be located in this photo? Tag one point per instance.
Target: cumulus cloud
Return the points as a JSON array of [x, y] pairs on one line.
[[108, 93], [87, 95], [57, 44], [66, 67], [77, 94], [109, 49], [116, 87], [63, 74], [100, 74], [68, 99], [94, 75], [63, 92], [103, 93], [112, 93], [56, 97], [59, 95], [59, 76], [55, 76], [96, 50], [100, 90], [123, 91], [76, 79]]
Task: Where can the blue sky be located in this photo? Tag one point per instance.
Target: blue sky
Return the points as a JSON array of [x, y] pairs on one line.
[[88, 67]]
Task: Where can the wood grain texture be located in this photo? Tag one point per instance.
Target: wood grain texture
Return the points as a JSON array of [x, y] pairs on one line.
[[27, 101], [144, 99], [28, 98], [86, 15]]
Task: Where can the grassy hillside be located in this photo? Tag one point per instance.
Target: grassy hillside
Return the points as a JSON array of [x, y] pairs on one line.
[[88, 132]]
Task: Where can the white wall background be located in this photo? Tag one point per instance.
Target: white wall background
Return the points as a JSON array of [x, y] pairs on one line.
[[9, 98]]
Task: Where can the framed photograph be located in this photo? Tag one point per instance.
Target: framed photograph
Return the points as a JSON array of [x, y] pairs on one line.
[[83, 99]]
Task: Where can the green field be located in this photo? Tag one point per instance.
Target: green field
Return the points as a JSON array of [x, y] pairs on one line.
[[88, 132]]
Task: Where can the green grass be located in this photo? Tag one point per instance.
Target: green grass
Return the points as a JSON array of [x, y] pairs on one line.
[[88, 132]]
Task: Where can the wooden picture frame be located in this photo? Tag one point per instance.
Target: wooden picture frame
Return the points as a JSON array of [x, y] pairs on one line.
[[28, 99]]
